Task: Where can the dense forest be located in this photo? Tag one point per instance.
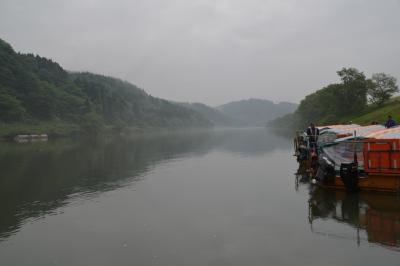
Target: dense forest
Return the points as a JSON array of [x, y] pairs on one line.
[[35, 90], [38, 96], [355, 96]]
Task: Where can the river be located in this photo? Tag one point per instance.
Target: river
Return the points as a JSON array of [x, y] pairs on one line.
[[221, 197]]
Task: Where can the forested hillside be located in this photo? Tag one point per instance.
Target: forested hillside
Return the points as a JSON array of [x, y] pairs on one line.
[[256, 112], [355, 98], [35, 90], [217, 117]]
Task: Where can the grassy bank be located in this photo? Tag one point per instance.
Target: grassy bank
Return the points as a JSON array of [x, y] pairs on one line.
[[378, 114]]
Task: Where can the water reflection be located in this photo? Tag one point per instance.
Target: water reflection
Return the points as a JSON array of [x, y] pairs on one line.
[[251, 142], [373, 217], [38, 178]]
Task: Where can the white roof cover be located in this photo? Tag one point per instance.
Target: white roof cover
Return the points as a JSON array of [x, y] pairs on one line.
[[366, 130], [361, 131], [339, 129], [388, 133]]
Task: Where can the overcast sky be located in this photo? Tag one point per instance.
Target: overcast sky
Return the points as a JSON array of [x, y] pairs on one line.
[[211, 51]]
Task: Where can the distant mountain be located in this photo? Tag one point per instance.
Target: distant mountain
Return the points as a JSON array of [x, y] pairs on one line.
[[214, 115], [256, 112], [34, 89]]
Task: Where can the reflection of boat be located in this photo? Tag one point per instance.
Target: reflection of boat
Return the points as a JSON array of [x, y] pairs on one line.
[[378, 215], [369, 160]]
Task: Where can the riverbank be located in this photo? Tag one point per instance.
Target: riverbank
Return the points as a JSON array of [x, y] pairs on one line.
[[52, 129], [371, 114], [60, 129]]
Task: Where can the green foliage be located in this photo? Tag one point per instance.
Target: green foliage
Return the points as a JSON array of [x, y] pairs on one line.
[[91, 123], [121, 103], [53, 128], [379, 113], [381, 87], [37, 90], [353, 93], [287, 122], [330, 104], [10, 107], [351, 76], [347, 101]]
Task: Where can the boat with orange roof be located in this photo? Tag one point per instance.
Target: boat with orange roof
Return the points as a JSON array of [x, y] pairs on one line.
[[367, 159]]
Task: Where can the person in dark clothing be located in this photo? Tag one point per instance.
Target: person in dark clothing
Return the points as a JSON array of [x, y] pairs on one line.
[[312, 133], [390, 122]]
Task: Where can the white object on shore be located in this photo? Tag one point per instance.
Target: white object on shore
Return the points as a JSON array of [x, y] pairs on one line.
[[32, 137]]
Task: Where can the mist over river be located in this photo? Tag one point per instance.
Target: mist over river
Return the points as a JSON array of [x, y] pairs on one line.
[[218, 197]]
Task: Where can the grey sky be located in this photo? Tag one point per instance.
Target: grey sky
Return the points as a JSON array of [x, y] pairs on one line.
[[211, 51]]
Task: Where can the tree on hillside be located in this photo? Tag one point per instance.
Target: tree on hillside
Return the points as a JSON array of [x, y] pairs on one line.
[[335, 101], [351, 75], [381, 87], [353, 91]]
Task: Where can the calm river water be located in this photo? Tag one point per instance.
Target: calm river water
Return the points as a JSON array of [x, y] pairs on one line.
[[224, 197]]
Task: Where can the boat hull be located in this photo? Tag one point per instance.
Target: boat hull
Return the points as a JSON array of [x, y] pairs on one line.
[[371, 182]]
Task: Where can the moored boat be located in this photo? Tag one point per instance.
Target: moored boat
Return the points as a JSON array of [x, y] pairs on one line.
[[369, 160]]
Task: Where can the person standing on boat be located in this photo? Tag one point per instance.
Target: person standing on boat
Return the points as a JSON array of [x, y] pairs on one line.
[[312, 133], [390, 122]]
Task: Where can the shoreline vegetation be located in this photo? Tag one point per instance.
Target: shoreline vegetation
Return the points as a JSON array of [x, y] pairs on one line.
[[61, 129], [356, 99], [39, 97]]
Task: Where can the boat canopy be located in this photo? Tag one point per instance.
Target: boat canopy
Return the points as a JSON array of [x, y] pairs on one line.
[[331, 133], [338, 129], [388, 133], [343, 133], [366, 130], [343, 152], [349, 129]]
